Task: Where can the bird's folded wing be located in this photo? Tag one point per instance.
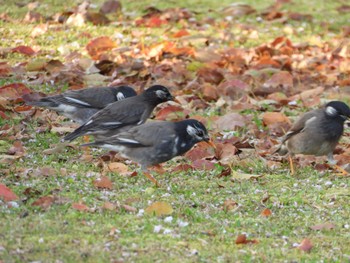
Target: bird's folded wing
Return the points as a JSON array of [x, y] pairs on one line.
[[300, 124], [91, 98], [117, 114], [144, 135]]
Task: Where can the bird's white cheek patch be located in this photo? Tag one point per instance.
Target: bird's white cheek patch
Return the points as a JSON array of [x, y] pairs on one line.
[[160, 94], [120, 96], [191, 131], [331, 111]]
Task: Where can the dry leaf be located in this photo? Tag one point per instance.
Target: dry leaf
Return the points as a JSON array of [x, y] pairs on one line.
[[242, 239], [44, 201], [111, 6], [244, 176], [327, 226], [275, 117], [266, 212], [305, 245], [159, 209], [103, 182], [100, 45], [229, 204], [6, 194], [129, 208], [119, 168], [109, 206], [80, 207]]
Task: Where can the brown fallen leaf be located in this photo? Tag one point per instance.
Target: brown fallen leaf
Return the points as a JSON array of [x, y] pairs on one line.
[[159, 209], [305, 245], [111, 6], [25, 50], [117, 167], [266, 212], [99, 45], [109, 206], [242, 239], [327, 226], [44, 201], [103, 182], [129, 208], [6, 194], [274, 117], [80, 207], [229, 205]]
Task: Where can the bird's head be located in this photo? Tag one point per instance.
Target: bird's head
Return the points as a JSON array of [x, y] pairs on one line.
[[197, 131], [337, 109], [159, 92]]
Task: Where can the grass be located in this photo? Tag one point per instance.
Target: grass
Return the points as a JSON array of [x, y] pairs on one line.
[[200, 228]]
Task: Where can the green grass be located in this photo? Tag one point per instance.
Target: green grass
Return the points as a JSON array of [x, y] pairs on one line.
[[62, 234]]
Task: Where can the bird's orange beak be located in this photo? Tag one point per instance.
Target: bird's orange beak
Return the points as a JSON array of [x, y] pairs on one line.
[[211, 143]]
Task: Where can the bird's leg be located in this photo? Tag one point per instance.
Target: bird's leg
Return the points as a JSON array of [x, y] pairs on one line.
[[86, 139], [149, 176], [291, 164], [334, 165]]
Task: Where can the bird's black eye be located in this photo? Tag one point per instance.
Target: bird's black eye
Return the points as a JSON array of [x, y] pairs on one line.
[[200, 133]]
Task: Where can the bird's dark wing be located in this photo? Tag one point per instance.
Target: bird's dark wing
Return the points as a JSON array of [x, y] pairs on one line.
[[88, 98], [145, 135], [301, 124]]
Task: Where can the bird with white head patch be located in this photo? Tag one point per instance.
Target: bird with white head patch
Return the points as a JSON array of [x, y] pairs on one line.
[[317, 132], [156, 142], [122, 115], [80, 105]]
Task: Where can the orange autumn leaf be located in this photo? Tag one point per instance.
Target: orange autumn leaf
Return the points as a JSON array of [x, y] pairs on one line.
[[6, 194], [80, 207], [100, 45], [305, 245], [266, 212], [103, 182]]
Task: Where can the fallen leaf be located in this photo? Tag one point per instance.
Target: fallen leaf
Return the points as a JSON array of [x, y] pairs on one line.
[[244, 176], [103, 182], [266, 212], [181, 33], [44, 201], [242, 239], [119, 168], [327, 226], [6, 194], [270, 118], [159, 209], [25, 50], [203, 165], [229, 205], [17, 149], [109, 206], [129, 208], [80, 207], [111, 6], [229, 122], [14, 91], [100, 45], [305, 245]]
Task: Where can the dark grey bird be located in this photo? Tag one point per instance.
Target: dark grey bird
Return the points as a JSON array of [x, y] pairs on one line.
[[122, 115], [80, 105], [156, 142], [317, 132]]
